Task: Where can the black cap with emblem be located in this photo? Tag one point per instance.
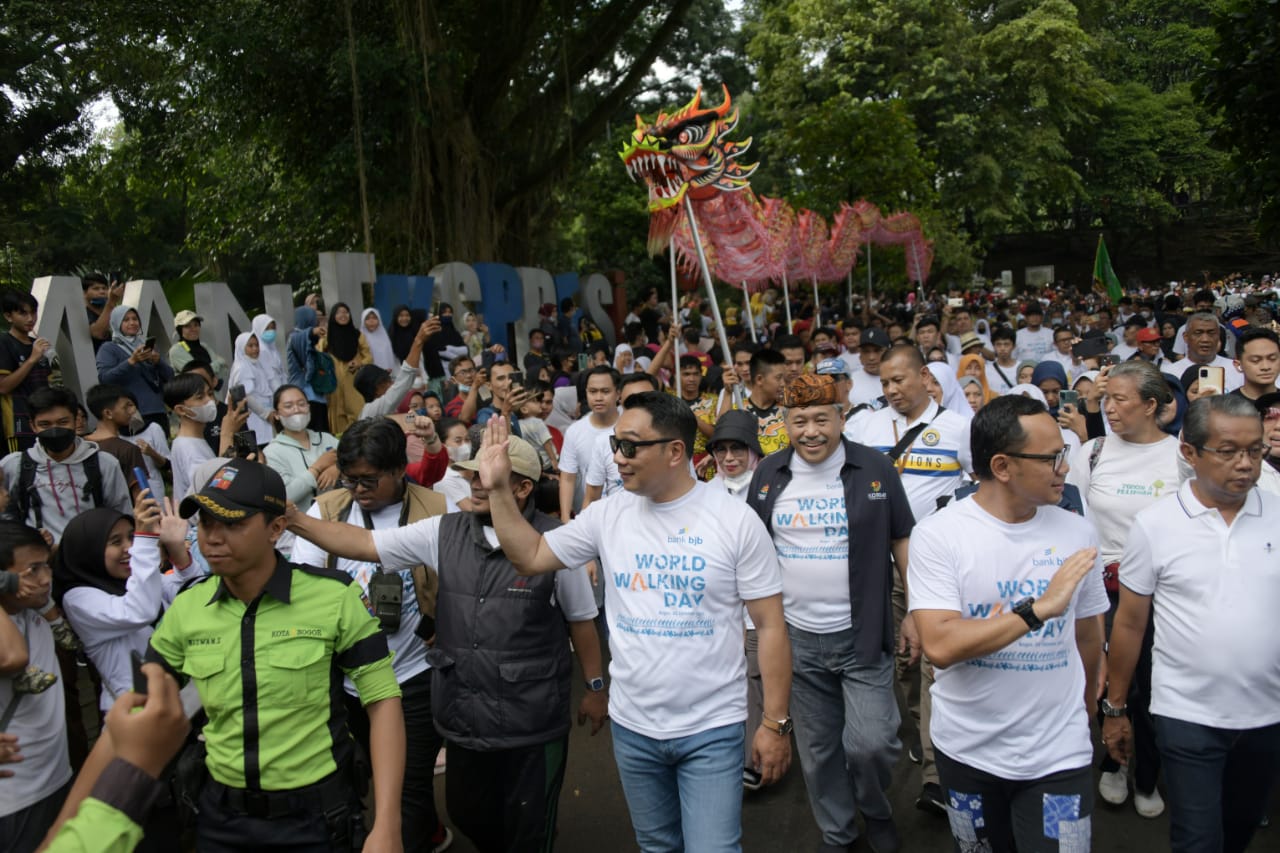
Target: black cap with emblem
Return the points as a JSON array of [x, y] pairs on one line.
[[238, 490]]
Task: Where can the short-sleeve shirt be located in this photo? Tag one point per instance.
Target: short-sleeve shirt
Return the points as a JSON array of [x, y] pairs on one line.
[[39, 723], [676, 575], [772, 431], [265, 672], [13, 406]]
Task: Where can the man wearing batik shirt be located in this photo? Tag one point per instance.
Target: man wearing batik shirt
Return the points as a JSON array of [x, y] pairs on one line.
[[702, 404]]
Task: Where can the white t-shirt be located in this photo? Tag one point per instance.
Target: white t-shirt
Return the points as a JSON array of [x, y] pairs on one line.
[[534, 431], [676, 574], [852, 363], [410, 652], [1231, 376], [453, 486], [866, 388], [187, 453], [575, 452], [40, 724], [601, 469], [1068, 364], [1127, 479], [935, 463], [159, 441], [1033, 346], [420, 543], [1216, 593], [1017, 713], [811, 535], [997, 383]]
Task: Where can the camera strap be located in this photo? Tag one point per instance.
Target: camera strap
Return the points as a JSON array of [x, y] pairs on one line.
[[368, 519]]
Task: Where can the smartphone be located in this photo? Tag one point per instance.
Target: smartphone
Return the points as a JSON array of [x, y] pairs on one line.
[[1090, 348], [1212, 380], [583, 360], [956, 302], [1108, 360], [1070, 398], [144, 482], [150, 343], [517, 378], [237, 395], [139, 677], [487, 359], [244, 443]]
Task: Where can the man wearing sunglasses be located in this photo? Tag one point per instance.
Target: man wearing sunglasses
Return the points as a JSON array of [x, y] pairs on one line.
[[679, 560], [1006, 591], [1205, 558]]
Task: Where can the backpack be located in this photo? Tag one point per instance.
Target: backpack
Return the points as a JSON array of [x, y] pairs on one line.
[[322, 373], [28, 497]]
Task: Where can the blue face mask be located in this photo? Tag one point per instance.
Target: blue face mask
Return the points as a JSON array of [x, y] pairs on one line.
[[99, 302], [269, 336]]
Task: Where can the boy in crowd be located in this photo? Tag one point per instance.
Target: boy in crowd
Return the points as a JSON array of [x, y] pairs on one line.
[[187, 396], [112, 406], [23, 367]]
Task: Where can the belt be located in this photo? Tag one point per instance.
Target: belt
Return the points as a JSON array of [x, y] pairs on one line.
[[332, 792]]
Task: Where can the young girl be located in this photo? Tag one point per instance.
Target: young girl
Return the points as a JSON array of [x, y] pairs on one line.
[[247, 370], [533, 428]]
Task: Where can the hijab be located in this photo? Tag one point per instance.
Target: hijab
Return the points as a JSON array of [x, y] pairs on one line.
[[79, 562], [129, 342], [379, 341], [299, 345], [953, 399], [1027, 390], [965, 360], [1046, 370], [343, 338], [617, 354], [564, 406], [268, 355], [196, 348], [245, 367], [402, 337]]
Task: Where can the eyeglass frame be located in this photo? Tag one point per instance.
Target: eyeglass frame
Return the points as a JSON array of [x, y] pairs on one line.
[[620, 445], [1231, 455], [1058, 459], [352, 484]]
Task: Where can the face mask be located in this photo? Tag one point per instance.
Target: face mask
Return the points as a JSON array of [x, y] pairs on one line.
[[446, 320], [269, 336], [137, 424], [205, 412], [464, 389], [56, 439], [461, 453], [295, 423], [99, 302]]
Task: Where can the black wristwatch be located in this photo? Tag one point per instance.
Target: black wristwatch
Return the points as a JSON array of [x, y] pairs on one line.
[[783, 727], [1109, 710], [1026, 609], [595, 685]]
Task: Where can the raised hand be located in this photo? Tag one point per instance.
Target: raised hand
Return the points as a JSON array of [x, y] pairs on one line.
[[495, 465], [146, 512]]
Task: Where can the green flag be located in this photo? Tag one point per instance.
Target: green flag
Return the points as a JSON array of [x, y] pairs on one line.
[[1104, 277]]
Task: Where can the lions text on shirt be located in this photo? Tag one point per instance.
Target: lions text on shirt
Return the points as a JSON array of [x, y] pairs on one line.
[[1216, 593], [935, 462], [1126, 479], [1033, 345], [676, 575], [811, 534], [1017, 713], [410, 652]]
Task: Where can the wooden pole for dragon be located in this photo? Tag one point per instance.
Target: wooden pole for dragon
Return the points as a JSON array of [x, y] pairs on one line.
[[706, 278]]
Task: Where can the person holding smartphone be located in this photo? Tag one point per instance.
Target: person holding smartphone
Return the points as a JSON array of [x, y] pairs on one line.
[[131, 360]]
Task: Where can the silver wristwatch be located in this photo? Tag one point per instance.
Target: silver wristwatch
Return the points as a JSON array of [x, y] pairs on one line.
[[1109, 710]]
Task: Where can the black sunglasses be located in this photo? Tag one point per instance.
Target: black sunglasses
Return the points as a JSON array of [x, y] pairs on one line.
[[629, 447]]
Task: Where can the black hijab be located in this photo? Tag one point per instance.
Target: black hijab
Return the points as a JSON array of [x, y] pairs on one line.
[[402, 336], [343, 340], [79, 561]]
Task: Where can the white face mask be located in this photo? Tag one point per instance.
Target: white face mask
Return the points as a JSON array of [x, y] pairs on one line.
[[205, 412], [461, 453], [295, 423], [138, 423]]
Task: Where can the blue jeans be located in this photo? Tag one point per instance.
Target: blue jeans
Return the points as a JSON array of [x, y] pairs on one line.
[[846, 720], [684, 793], [1218, 781]]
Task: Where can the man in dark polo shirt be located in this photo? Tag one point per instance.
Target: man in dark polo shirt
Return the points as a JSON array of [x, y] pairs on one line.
[[835, 593]]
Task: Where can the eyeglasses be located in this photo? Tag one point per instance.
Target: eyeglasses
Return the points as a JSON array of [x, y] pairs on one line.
[[304, 406], [1058, 459], [354, 483], [1230, 454], [726, 448], [629, 447]]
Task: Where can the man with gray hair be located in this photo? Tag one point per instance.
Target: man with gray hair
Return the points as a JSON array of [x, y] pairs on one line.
[[1203, 558], [835, 592], [1202, 340]]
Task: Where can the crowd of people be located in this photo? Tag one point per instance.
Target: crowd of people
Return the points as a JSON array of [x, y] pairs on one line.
[[302, 579]]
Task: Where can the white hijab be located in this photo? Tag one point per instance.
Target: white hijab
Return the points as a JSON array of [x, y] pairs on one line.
[[251, 372], [617, 353], [564, 407], [953, 399], [268, 354], [379, 342]]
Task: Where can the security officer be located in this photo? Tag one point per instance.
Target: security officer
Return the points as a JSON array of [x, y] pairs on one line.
[[267, 642]]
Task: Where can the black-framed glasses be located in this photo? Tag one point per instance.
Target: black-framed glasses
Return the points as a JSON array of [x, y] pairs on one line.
[[1230, 454], [1058, 459], [628, 447], [366, 483]]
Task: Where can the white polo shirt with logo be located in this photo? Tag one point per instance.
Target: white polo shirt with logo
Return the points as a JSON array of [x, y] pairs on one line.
[[1216, 594]]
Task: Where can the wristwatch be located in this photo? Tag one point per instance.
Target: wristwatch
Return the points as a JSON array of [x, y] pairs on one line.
[[782, 727], [1109, 710], [1025, 609], [595, 685]]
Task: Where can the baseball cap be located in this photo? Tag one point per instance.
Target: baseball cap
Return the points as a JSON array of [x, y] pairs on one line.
[[1148, 336], [875, 337], [182, 318], [831, 367], [237, 490], [737, 425], [523, 456]]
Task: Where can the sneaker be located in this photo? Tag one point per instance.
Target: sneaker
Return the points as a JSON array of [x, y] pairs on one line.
[[1148, 805], [63, 637], [914, 754], [442, 840], [1113, 787], [751, 780], [440, 762], [882, 836], [931, 799]]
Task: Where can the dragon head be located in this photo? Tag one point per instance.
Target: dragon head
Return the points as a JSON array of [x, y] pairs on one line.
[[687, 152]]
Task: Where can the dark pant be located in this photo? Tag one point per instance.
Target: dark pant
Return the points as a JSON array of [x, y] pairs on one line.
[[505, 800], [22, 831], [1052, 813], [418, 818], [1146, 757], [220, 828], [1218, 781]]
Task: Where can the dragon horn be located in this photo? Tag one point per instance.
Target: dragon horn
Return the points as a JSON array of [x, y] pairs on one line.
[[727, 104], [639, 122]]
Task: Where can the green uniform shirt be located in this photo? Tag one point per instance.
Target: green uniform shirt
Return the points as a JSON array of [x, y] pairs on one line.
[[270, 672], [97, 828]]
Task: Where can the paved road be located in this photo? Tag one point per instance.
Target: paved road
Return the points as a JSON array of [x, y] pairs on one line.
[[593, 813]]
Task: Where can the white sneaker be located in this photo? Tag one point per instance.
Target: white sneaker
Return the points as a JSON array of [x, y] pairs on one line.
[[1114, 786], [1148, 805]]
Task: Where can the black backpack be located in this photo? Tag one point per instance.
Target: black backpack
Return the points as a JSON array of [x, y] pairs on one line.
[[28, 496]]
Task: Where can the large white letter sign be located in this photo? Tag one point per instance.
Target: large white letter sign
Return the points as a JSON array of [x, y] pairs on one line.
[[64, 321]]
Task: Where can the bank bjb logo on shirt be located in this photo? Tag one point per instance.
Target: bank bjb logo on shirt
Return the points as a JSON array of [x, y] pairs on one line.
[[684, 537]]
